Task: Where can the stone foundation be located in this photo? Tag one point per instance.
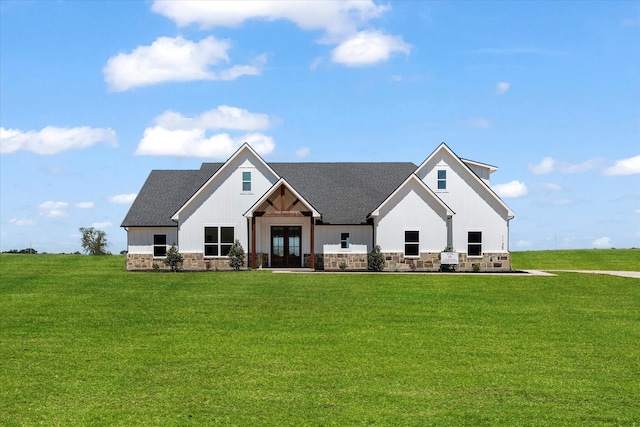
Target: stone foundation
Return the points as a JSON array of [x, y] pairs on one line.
[[428, 261]]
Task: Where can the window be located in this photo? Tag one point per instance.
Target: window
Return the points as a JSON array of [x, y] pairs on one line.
[[474, 243], [344, 240], [442, 179], [218, 240], [159, 245], [412, 243], [246, 181]]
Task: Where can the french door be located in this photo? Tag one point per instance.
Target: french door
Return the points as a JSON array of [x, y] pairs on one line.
[[285, 246]]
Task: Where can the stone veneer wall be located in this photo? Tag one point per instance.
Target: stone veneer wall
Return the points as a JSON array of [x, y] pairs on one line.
[[429, 261]]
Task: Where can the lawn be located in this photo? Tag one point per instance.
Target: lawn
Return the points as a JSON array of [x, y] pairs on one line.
[[585, 259], [82, 342]]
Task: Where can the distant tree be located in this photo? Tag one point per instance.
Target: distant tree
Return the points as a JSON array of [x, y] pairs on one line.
[[174, 258], [375, 259], [123, 252], [94, 242], [22, 251], [236, 255]]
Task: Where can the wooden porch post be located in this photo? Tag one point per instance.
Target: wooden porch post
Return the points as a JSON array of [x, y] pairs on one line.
[[312, 261], [253, 242]]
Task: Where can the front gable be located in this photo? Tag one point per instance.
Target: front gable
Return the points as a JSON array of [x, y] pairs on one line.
[[450, 177], [230, 181]]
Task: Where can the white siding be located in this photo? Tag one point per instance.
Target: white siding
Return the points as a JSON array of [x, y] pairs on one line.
[[223, 202], [412, 209], [475, 207], [327, 239], [140, 239]]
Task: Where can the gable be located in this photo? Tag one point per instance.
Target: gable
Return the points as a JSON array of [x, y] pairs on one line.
[[460, 177], [230, 173]]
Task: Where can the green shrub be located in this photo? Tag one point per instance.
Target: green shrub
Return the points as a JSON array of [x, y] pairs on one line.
[[174, 258], [375, 259], [236, 256]]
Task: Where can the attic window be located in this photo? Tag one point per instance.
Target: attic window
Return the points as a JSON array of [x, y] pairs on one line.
[[246, 181], [442, 179]]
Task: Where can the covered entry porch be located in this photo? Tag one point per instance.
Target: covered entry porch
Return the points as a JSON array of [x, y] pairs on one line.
[[282, 229]]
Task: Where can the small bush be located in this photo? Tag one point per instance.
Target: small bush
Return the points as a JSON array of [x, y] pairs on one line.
[[476, 268], [174, 258], [375, 259], [236, 256], [343, 266]]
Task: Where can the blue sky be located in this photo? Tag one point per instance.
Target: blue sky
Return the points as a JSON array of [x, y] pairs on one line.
[[94, 95]]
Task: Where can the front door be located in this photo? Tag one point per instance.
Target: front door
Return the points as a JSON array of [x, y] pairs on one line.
[[285, 246]]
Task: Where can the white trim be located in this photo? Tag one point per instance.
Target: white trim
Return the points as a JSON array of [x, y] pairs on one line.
[[413, 177], [245, 146], [270, 191], [444, 146]]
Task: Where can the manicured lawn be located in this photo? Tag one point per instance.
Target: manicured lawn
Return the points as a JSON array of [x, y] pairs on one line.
[[585, 259], [82, 342]]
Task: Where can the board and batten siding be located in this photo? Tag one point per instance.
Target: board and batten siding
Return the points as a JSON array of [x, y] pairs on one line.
[[140, 239], [412, 209], [327, 239], [223, 203], [475, 207]]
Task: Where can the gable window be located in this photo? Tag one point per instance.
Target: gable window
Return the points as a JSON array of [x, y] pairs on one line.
[[344, 240], [411, 243], [442, 179], [474, 243], [159, 245], [246, 181], [218, 240]]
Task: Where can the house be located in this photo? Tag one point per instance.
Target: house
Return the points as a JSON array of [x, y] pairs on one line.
[[322, 215]]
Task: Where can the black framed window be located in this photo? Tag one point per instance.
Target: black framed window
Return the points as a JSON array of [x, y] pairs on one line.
[[218, 240], [411, 243], [344, 240], [159, 245], [474, 243]]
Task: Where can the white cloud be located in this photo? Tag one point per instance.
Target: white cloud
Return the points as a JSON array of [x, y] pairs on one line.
[[101, 225], [548, 186], [123, 199], [637, 211], [549, 164], [479, 122], [511, 189], [630, 166], [223, 117], [53, 209], [302, 152], [85, 205], [544, 167], [177, 135], [523, 243], [367, 48], [342, 22], [602, 242], [22, 222], [173, 59], [53, 140], [502, 88], [336, 18]]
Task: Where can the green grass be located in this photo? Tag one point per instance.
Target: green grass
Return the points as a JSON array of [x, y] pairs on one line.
[[82, 342], [585, 259]]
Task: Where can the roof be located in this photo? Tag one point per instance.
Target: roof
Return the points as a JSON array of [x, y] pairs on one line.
[[163, 193], [343, 193]]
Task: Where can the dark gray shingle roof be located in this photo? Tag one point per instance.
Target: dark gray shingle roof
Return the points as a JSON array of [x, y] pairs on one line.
[[343, 193]]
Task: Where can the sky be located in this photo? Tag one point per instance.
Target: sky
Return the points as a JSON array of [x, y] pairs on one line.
[[94, 95]]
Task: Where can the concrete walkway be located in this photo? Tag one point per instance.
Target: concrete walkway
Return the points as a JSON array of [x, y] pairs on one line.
[[632, 274]]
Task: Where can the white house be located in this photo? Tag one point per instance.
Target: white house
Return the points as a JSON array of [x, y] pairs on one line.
[[322, 215]]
